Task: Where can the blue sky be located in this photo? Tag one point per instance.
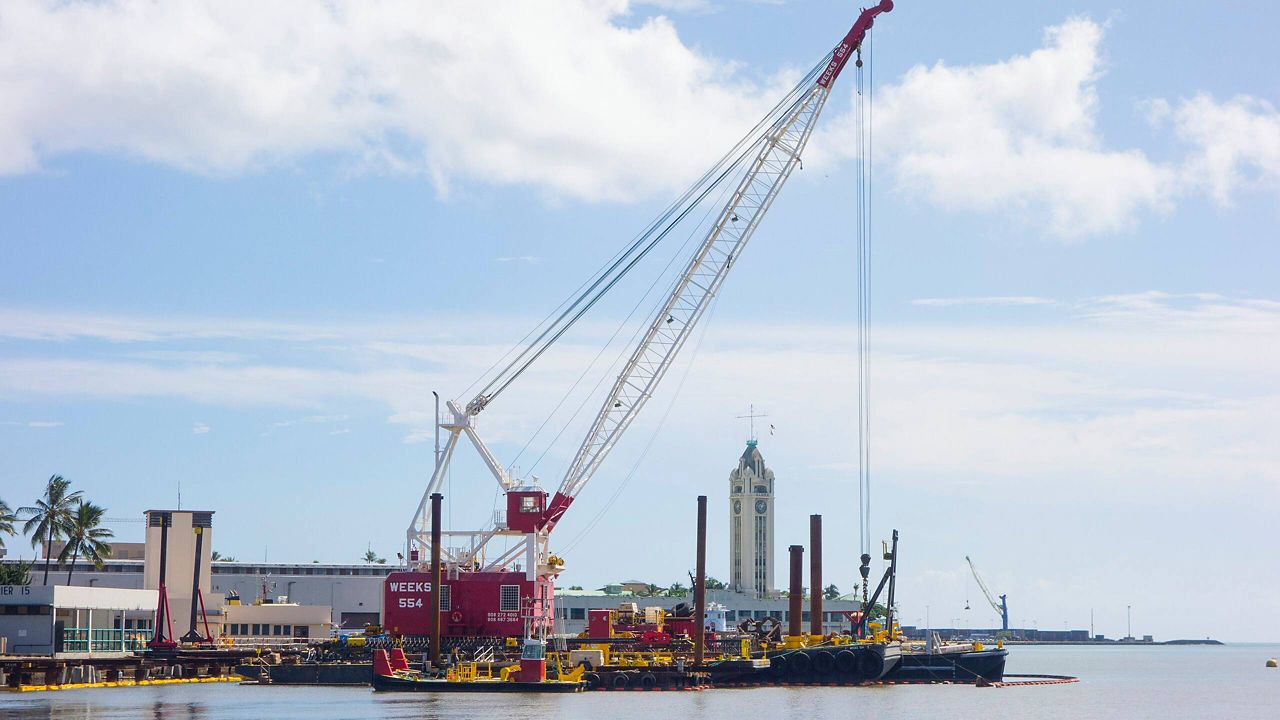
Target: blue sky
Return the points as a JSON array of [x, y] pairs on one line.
[[239, 249]]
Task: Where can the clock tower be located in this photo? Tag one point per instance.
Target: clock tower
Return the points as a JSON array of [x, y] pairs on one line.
[[751, 525]]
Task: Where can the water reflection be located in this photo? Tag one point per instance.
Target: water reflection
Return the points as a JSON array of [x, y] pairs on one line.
[[1119, 684], [41, 708]]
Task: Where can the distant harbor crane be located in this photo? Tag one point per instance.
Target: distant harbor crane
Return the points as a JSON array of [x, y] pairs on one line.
[[1002, 607]]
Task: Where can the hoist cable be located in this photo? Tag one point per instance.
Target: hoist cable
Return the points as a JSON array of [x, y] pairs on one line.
[[864, 119], [871, 129]]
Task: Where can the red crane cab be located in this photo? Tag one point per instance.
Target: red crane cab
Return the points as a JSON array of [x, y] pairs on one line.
[[526, 509]]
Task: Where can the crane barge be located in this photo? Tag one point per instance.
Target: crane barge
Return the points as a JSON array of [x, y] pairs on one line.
[[490, 593]]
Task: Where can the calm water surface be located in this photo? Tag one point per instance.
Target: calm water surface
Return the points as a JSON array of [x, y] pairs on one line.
[[1116, 682]]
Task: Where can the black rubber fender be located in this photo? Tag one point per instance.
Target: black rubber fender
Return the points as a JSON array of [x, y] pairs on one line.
[[846, 662], [591, 679], [648, 680], [778, 665], [870, 665], [620, 680], [823, 662], [799, 663]]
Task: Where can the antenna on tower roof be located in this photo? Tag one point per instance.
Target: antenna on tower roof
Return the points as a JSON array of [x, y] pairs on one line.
[[750, 417]]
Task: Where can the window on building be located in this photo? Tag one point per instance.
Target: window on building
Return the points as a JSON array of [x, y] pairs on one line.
[[805, 616], [275, 630], [509, 600], [446, 597], [528, 504], [257, 629], [729, 615], [286, 630], [577, 613], [301, 632]]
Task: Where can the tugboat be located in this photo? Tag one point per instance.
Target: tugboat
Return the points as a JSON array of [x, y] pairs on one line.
[[391, 671]]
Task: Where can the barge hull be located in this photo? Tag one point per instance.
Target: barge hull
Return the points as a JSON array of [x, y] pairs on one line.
[[966, 667], [382, 683]]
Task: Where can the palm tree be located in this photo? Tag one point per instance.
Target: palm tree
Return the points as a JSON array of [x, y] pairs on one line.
[[677, 589], [18, 573], [7, 519], [86, 536], [372, 557], [50, 516], [831, 593]]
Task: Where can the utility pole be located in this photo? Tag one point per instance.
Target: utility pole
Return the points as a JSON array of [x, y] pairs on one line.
[[1128, 621]]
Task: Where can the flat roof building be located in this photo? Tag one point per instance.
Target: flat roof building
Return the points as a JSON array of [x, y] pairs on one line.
[[64, 621]]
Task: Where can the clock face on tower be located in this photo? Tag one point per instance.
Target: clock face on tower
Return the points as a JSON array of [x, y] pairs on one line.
[[737, 507], [761, 506]]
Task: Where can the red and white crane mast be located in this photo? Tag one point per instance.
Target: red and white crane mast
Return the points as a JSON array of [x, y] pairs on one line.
[[529, 518]]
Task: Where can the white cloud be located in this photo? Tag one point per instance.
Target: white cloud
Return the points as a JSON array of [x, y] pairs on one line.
[[1138, 387], [572, 98], [52, 325], [35, 423], [998, 300], [1235, 143], [680, 6], [562, 96], [310, 420], [1204, 312], [1015, 134], [189, 356], [200, 428]]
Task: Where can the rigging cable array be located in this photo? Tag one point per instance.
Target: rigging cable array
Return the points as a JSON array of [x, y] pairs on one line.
[[863, 120]]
